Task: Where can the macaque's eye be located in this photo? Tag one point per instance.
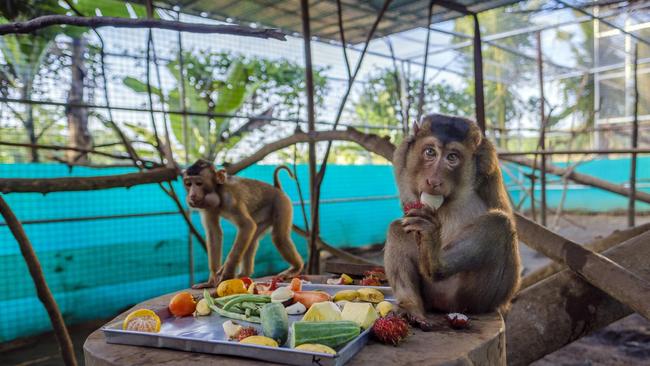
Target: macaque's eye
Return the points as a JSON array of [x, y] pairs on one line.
[[429, 153], [452, 158], [188, 183], [199, 183]]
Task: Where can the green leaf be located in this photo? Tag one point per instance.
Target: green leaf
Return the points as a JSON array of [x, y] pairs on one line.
[[138, 86]]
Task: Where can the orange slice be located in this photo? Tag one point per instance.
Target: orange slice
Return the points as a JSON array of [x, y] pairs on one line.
[[142, 320]]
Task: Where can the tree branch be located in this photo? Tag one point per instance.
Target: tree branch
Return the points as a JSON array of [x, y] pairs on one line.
[[186, 216], [373, 143], [42, 290], [333, 250], [24, 185], [96, 22], [579, 178], [71, 148]]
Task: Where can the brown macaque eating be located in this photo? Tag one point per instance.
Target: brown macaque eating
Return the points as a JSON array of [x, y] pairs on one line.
[[252, 206], [461, 256]]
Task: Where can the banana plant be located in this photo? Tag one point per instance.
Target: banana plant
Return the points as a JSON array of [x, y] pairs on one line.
[[222, 98], [25, 55]]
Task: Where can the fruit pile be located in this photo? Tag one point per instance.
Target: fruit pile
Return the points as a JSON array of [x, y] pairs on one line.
[[326, 322]]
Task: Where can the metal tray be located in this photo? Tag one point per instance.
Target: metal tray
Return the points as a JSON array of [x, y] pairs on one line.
[[205, 334]]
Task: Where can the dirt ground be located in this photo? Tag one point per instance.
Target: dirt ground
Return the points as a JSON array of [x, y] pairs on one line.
[[626, 342]]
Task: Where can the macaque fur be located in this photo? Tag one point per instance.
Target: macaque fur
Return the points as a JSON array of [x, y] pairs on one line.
[[462, 257], [252, 206]]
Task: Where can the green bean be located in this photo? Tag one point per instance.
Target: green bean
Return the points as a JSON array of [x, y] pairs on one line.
[[247, 298], [229, 314], [224, 299], [207, 297], [237, 309]]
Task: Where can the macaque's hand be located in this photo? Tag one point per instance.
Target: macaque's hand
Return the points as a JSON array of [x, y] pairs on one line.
[[425, 224]]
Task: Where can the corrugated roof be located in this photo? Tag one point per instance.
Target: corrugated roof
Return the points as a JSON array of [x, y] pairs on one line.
[[358, 16]]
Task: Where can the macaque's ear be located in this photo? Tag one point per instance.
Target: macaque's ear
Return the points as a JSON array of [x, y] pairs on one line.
[[220, 176], [416, 127], [487, 162]]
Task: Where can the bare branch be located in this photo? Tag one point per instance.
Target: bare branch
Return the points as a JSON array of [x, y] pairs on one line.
[[23, 185], [186, 216], [333, 250], [96, 22], [373, 143], [42, 290], [579, 178], [68, 148]]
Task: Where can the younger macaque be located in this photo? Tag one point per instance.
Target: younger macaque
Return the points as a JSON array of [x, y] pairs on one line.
[[462, 256], [253, 206]]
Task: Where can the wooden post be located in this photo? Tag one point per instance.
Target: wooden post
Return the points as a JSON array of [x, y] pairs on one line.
[[616, 281], [426, 60], [479, 97], [635, 142], [313, 261], [555, 312], [186, 143], [42, 290], [542, 128]]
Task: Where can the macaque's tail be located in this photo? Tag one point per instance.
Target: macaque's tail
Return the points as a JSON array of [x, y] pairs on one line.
[[276, 181]]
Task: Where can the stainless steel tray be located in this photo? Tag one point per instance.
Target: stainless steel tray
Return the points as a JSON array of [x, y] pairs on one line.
[[205, 334]]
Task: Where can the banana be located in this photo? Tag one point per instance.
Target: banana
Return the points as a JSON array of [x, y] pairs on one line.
[[370, 295], [347, 295]]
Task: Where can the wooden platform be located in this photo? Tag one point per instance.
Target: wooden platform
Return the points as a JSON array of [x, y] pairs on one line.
[[483, 343]]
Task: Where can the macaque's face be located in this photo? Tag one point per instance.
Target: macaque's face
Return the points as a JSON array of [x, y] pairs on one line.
[[441, 159], [197, 187]]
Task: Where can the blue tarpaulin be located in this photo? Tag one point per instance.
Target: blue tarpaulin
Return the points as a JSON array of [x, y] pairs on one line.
[[103, 251]]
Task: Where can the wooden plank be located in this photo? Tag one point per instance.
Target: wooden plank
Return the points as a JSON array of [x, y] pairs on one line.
[[607, 275], [553, 313]]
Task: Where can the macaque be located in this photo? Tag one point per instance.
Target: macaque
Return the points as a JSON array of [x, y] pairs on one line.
[[252, 206], [461, 256]]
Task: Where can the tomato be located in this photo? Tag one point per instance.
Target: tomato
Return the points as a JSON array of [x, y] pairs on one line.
[[182, 304]]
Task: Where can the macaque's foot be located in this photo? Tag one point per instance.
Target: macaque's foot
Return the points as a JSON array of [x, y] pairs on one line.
[[212, 282], [418, 322], [415, 318], [244, 274], [289, 273], [223, 275]]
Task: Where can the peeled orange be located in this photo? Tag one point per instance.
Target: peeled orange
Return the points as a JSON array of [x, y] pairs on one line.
[[182, 304], [142, 320]]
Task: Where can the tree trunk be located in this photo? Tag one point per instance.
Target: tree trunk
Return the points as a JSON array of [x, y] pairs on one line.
[[78, 133], [29, 120]]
